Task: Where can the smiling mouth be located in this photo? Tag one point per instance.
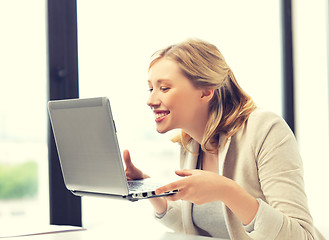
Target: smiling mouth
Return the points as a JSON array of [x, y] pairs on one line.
[[159, 116]]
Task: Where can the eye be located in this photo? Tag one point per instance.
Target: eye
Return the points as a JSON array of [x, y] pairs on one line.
[[164, 89], [150, 90]]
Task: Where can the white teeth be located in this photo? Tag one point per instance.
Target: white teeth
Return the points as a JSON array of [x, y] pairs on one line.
[[159, 115]]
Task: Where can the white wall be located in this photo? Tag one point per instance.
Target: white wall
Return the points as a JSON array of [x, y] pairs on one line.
[[310, 28]]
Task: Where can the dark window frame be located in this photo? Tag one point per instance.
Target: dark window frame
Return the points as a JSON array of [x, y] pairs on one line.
[[287, 65], [65, 208]]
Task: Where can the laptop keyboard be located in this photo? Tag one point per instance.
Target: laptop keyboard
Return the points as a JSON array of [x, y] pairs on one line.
[[144, 189], [142, 186]]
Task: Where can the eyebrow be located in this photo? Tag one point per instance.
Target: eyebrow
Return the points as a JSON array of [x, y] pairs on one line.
[[159, 81]]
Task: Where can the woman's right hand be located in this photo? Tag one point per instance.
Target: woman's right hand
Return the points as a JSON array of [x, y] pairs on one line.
[[132, 173]]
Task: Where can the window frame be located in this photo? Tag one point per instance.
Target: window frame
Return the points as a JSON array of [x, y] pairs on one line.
[[63, 83]]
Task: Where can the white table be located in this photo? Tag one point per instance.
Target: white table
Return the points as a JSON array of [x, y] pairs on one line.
[[102, 233]]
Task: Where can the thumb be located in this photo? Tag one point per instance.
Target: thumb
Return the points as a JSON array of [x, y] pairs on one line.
[[184, 172], [127, 159]]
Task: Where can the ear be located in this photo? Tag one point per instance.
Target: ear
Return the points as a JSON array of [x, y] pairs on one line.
[[207, 94]]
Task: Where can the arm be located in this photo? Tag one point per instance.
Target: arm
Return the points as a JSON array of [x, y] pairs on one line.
[[283, 213], [201, 187], [241, 203], [159, 205], [280, 172]]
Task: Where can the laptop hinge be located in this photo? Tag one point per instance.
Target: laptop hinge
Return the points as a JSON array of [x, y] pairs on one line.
[[106, 195]]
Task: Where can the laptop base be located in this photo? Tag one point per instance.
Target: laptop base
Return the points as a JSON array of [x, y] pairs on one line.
[[134, 197]]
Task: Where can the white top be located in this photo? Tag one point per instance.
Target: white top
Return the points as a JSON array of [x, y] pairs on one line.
[[209, 217]]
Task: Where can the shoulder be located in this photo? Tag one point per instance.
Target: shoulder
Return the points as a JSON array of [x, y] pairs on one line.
[[260, 115], [261, 120], [265, 126]]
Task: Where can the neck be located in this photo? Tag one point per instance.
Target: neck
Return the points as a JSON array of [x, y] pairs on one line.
[[197, 129], [197, 136]]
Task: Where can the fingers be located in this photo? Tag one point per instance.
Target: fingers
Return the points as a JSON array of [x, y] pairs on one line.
[[178, 185], [132, 173], [127, 159], [169, 187], [176, 196], [184, 173], [183, 186]]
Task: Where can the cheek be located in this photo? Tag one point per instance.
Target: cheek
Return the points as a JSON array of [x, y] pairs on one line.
[[184, 104], [177, 100]]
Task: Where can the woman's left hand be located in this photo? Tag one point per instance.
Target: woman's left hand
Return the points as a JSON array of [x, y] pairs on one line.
[[198, 186]]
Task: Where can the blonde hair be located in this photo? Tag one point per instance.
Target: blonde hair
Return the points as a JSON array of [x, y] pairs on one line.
[[204, 65]]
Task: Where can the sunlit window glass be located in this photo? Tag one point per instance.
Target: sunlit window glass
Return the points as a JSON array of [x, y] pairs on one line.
[[23, 122]]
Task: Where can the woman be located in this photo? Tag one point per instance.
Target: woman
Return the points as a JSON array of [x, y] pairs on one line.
[[242, 175]]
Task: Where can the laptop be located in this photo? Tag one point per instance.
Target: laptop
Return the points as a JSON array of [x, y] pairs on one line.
[[88, 150]]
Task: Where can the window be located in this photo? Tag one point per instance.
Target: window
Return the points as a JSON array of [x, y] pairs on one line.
[[23, 117], [311, 88], [116, 40]]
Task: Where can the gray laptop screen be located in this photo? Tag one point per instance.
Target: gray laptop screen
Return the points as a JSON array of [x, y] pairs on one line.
[[87, 145]]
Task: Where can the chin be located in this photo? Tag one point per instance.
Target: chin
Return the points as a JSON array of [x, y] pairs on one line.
[[161, 131]]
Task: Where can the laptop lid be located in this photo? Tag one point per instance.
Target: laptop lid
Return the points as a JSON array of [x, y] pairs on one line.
[[87, 146]]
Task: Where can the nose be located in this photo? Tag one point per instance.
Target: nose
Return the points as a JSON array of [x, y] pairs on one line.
[[153, 101]]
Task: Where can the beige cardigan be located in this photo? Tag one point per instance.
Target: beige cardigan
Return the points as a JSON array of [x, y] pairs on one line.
[[263, 158]]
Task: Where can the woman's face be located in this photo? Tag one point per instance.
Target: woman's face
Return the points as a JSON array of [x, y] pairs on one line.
[[176, 103]]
